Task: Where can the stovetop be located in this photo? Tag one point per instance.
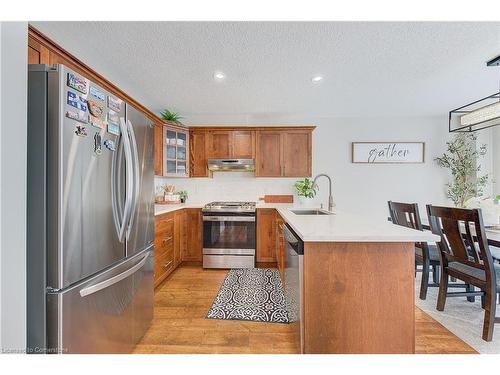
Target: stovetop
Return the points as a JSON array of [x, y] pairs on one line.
[[230, 206]]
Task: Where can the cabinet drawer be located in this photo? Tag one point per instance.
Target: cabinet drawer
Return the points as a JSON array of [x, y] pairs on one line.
[[164, 224], [164, 264], [163, 244]]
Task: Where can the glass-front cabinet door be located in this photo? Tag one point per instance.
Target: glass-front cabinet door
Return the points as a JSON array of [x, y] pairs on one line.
[[175, 152]]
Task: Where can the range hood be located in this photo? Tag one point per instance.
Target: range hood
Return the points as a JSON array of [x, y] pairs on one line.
[[231, 165]]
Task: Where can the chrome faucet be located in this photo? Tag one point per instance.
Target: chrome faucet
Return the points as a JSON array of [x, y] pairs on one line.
[[331, 205]]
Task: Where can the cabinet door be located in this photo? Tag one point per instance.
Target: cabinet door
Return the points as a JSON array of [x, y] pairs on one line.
[[198, 155], [183, 234], [177, 236], [158, 144], [297, 158], [219, 145], [268, 155], [280, 245], [37, 53], [193, 250], [266, 235], [164, 247], [243, 144]]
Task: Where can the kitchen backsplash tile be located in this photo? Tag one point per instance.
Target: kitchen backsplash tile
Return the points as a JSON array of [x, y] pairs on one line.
[[239, 186]]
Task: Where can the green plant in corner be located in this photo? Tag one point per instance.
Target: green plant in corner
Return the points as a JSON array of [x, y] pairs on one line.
[[183, 195], [462, 159], [305, 188], [171, 116]]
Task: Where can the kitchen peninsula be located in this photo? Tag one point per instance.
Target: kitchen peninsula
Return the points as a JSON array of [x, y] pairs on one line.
[[357, 278]]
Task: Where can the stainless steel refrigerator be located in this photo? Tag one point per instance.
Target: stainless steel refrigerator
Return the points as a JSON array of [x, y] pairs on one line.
[[90, 216]]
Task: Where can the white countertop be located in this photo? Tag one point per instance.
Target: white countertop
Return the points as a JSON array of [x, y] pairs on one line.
[[346, 227], [339, 227], [161, 209]]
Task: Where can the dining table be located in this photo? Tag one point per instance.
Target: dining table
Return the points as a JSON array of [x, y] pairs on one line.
[[492, 232], [492, 235]]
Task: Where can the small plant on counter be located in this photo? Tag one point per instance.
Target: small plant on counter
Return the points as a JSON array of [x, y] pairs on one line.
[[171, 116], [305, 188], [462, 159], [183, 194]]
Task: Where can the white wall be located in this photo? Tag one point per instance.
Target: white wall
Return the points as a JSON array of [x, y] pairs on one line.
[[486, 162], [357, 188], [13, 108]]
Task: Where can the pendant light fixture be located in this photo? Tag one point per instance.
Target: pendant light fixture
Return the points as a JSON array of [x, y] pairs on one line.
[[481, 114]]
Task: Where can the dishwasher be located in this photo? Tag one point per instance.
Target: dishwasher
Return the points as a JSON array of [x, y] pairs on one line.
[[294, 256]]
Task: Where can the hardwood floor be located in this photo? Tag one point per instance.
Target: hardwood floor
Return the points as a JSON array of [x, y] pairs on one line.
[[179, 325]]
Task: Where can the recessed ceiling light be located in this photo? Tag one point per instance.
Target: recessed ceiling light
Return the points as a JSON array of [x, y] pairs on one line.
[[219, 76], [317, 79]]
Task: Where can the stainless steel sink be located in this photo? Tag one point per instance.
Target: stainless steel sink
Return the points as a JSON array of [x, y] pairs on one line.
[[312, 212]]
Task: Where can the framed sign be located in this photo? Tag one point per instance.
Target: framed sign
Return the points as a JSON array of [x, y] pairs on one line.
[[388, 152]]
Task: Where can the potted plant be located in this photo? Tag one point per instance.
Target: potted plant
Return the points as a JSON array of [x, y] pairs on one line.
[[490, 208], [183, 194], [462, 159], [171, 117], [305, 191]]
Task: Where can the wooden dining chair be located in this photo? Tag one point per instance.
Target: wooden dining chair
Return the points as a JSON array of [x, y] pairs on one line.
[[466, 256], [407, 215]]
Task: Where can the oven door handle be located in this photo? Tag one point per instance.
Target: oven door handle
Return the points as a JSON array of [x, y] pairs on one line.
[[229, 218]]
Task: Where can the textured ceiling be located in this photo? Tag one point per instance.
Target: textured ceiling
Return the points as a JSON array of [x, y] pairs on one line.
[[370, 69]]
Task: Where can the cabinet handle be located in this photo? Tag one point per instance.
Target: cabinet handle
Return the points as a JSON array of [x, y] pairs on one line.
[[166, 240], [167, 264]]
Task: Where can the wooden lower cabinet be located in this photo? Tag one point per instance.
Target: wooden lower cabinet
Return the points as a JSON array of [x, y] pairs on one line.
[[164, 245], [280, 245], [266, 235], [359, 298], [180, 235], [171, 242], [194, 236]]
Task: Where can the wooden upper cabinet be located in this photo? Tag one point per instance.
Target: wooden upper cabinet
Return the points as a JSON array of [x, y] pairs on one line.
[[37, 53], [297, 158], [284, 153], [278, 152], [171, 147], [234, 144], [198, 154], [219, 144], [158, 145], [243, 144], [268, 154]]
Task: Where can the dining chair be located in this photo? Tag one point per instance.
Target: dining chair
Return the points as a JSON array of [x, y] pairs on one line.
[[407, 215], [465, 255], [495, 253]]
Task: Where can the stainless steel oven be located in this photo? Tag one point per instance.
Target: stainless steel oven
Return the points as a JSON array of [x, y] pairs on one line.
[[229, 235]]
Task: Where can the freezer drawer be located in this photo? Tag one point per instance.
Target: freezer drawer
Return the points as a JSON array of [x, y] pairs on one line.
[[106, 314]]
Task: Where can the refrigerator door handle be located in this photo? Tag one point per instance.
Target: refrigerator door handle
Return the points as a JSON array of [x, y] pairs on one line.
[[129, 178], [136, 179], [115, 193], [113, 280]]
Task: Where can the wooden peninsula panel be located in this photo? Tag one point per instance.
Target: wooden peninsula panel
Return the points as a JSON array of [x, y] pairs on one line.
[[359, 297]]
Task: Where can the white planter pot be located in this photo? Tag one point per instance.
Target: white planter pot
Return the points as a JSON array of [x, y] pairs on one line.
[[306, 202]]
